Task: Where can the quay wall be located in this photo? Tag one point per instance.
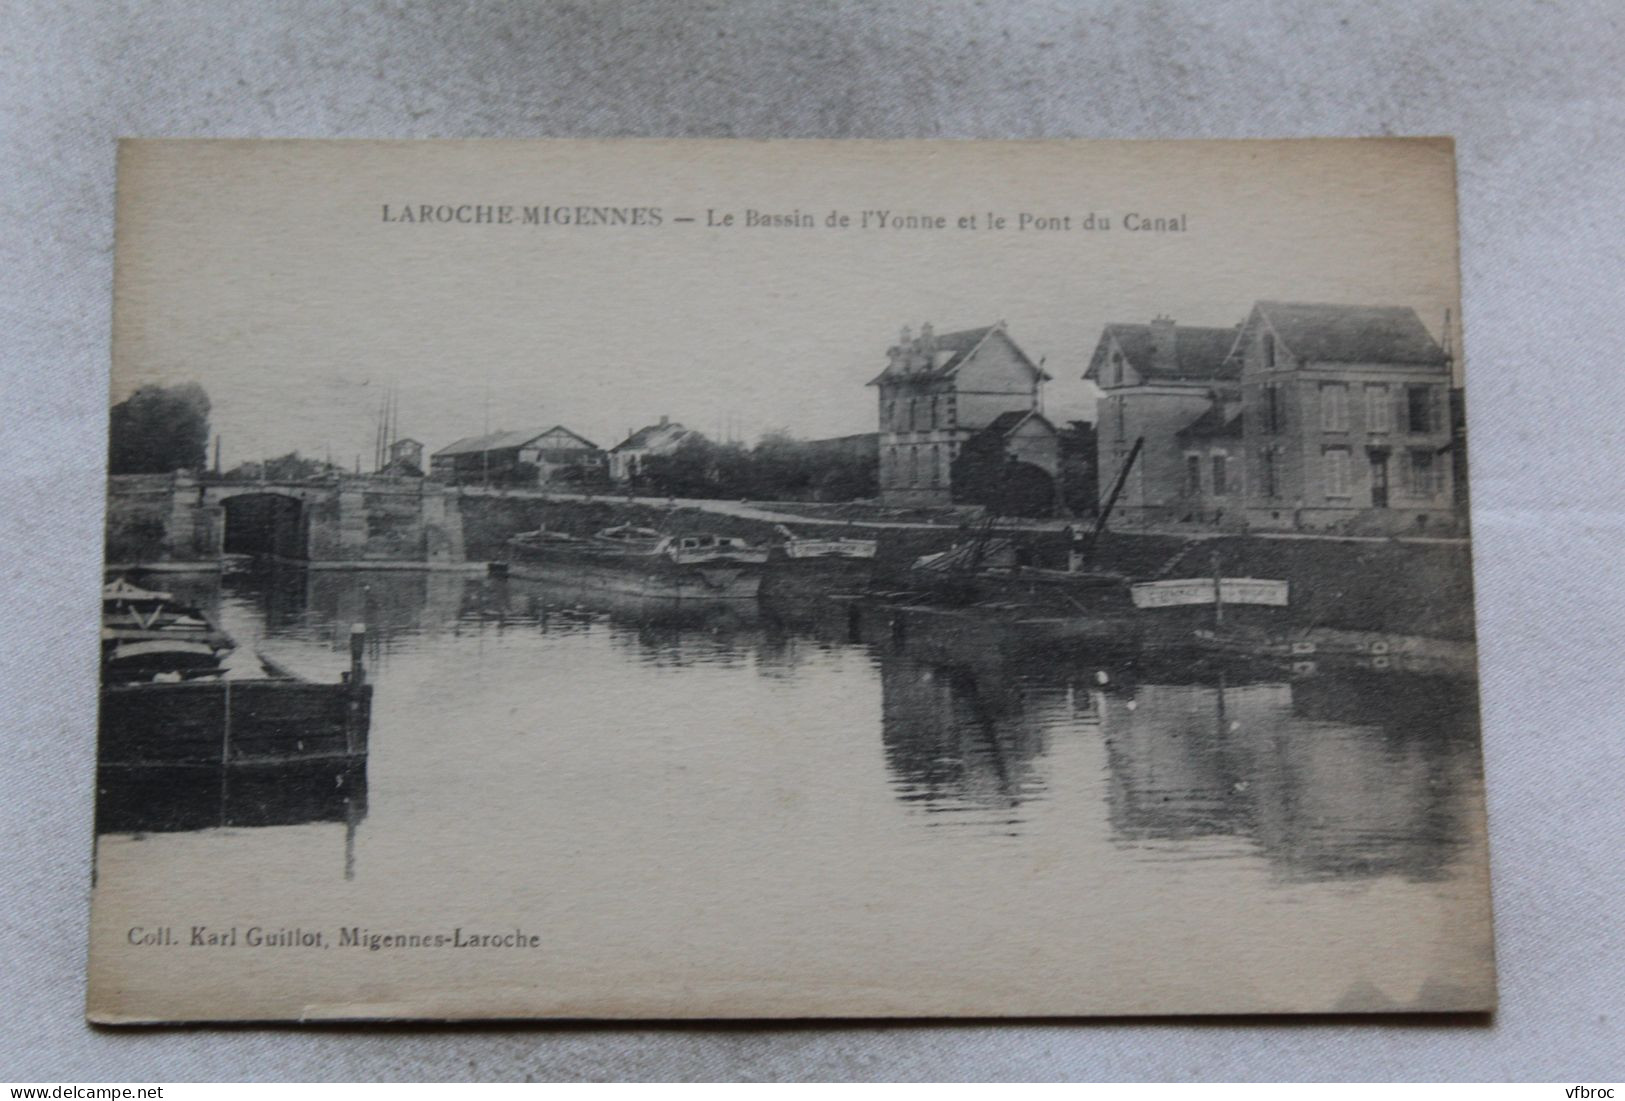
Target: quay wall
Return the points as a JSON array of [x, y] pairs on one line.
[[1423, 589], [1420, 589]]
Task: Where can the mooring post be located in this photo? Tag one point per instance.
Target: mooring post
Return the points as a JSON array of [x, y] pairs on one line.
[[356, 692]]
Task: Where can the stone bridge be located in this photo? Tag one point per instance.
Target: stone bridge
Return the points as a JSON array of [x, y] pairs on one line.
[[178, 519]]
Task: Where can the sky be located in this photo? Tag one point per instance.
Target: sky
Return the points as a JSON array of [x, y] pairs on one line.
[[266, 272]]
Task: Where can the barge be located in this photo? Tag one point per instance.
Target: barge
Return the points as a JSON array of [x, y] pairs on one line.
[[642, 563]]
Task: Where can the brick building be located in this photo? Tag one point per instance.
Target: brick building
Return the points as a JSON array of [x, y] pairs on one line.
[[939, 390], [1346, 414], [1160, 380], [1305, 416]]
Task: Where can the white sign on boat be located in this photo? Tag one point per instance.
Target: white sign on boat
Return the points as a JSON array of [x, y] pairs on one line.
[[1199, 590], [831, 548]]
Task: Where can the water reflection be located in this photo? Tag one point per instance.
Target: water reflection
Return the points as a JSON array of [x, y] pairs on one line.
[[959, 740], [168, 798], [1316, 778], [1328, 777]]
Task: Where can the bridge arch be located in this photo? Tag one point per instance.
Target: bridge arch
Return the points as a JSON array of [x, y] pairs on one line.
[[1003, 485], [266, 523]]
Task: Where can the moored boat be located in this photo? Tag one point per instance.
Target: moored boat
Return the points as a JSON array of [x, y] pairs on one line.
[[800, 548], [992, 569], [800, 567], [641, 562], [148, 634]]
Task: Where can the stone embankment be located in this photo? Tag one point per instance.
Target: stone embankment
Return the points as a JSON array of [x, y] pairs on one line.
[[1412, 588]]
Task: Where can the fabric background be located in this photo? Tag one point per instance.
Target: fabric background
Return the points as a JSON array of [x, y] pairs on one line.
[[1535, 96]]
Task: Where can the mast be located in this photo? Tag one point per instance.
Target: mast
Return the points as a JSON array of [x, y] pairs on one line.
[[1111, 499], [378, 438]]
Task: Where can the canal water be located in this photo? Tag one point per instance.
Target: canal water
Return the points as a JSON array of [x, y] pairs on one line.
[[740, 811]]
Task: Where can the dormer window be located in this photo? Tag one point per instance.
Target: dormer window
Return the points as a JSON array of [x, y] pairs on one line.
[[1114, 377], [1269, 351]]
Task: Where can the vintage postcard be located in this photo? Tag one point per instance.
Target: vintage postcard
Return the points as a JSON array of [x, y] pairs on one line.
[[713, 579]]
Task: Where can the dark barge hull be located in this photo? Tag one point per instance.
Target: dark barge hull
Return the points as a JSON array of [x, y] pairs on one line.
[[166, 798], [793, 579], [245, 752]]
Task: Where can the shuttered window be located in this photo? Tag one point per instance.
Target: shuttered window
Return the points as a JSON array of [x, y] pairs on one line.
[[1334, 407], [1378, 414], [1336, 461], [1424, 474]]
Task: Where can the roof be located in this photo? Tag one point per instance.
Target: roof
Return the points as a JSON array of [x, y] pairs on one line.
[[642, 436], [954, 349], [1003, 426], [1199, 352], [1007, 422], [1214, 423], [503, 441], [1327, 333]]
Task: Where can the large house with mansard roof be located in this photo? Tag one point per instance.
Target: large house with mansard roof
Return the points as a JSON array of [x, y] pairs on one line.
[[938, 391], [1306, 416]]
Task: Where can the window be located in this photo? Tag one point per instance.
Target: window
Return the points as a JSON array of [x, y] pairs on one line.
[[913, 466], [936, 464], [1193, 475], [1334, 407], [1421, 408], [1114, 377], [1337, 471], [1122, 427], [1220, 485], [953, 410], [1377, 418], [1269, 351], [891, 415], [1424, 474], [1274, 410], [933, 411], [913, 413], [1271, 472]]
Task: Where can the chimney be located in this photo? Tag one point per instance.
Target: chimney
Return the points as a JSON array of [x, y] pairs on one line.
[[1162, 343], [664, 420], [928, 339]]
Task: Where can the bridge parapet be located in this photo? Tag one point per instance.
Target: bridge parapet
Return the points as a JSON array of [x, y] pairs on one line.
[[180, 519]]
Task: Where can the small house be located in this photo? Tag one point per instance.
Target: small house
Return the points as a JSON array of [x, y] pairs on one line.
[[626, 458]]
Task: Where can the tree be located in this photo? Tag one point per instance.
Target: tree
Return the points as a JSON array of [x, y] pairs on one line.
[[782, 467], [159, 429], [294, 467], [1080, 469], [684, 472]]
